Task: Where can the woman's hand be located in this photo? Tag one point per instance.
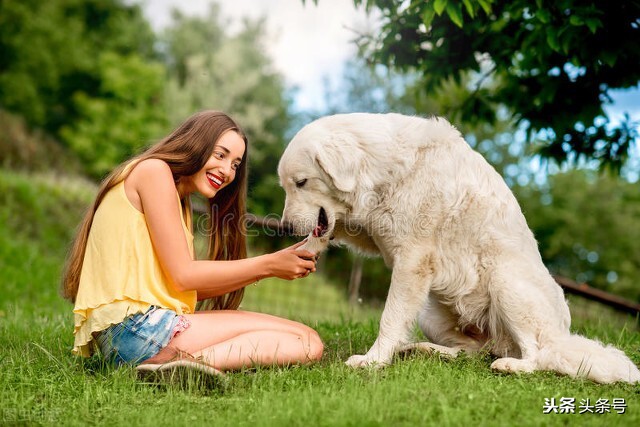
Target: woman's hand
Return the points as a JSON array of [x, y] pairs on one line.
[[292, 263]]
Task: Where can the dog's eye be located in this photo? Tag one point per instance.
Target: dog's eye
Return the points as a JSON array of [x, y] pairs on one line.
[[301, 183]]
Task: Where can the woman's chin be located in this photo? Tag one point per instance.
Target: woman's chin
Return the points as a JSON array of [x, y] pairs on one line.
[[208, 192]]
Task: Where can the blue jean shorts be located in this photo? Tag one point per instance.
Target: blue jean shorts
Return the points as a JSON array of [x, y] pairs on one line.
[[138, 337]]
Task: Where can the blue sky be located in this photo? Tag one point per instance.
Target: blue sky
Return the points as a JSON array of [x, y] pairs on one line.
[[625, 101]]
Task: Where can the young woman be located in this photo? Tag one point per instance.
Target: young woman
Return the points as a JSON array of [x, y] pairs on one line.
[[135, 281]]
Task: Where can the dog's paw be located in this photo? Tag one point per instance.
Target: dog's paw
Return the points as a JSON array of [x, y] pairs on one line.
[[428, 348], [513, 365], [316, 244], [362, 361]]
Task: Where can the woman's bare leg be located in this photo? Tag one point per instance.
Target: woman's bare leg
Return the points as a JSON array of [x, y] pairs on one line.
[[235, 339]]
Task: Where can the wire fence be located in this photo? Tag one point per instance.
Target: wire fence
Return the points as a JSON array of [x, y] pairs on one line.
[[340, 288]]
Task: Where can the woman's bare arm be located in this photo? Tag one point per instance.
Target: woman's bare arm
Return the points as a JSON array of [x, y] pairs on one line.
[[153, 182]]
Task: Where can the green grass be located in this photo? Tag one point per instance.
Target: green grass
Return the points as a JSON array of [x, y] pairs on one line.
[[41, 383]]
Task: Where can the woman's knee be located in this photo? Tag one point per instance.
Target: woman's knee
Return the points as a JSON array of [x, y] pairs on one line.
[[315, 346]]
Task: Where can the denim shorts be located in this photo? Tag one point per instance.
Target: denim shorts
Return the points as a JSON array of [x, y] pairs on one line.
[[138, 337]]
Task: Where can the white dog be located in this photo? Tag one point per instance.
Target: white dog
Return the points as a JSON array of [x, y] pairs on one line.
[[464, 263]]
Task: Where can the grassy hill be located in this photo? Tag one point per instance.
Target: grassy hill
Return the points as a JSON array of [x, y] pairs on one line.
[[38, 216]]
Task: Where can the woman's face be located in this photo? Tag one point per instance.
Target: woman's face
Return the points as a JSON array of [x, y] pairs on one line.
[[220, 169]]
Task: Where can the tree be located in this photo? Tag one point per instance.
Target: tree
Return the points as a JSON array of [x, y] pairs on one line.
[[84, 71], [124, 115], [210, 68], [552, 63], [587, 227], [48, 52]]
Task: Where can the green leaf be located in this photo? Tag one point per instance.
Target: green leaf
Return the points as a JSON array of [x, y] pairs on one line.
[[427, 17], [469, 6], [593, 24], [486, 5], [439, 6], [543, 16], [455, 13], [552, 40], [576, 21], [609, 58], [566, 45]]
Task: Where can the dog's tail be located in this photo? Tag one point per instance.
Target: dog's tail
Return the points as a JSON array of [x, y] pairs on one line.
[[578, 356]]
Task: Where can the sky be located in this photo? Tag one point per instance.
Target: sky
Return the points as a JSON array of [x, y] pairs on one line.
[[307, 42]]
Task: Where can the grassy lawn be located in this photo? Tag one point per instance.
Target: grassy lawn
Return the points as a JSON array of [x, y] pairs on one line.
[[42, 383]]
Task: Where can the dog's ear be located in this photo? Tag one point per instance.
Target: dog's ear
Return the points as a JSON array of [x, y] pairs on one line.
[[342, 162]]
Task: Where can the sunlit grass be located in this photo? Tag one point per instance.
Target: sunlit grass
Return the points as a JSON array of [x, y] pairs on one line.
[[42, 383]]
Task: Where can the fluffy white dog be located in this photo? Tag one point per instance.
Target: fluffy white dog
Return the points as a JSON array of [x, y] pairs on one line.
[[464, 263]]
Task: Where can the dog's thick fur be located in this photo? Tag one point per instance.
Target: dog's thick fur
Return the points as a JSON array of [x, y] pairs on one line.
[[464, 263]]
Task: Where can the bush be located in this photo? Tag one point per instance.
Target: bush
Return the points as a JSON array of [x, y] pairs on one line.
[[31, 150]]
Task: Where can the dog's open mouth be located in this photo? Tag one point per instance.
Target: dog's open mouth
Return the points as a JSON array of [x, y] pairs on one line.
[[323, 224]]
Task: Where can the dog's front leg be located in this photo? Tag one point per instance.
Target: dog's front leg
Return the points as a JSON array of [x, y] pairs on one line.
[[407, 294]]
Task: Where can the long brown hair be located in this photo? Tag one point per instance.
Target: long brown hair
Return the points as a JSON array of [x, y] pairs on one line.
[[185, 150]]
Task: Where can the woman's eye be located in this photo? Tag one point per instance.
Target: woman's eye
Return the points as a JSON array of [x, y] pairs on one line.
[[218, 155], [235, 166], [301, 183]]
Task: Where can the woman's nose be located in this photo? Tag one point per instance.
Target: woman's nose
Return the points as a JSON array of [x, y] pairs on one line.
[[225, 169]]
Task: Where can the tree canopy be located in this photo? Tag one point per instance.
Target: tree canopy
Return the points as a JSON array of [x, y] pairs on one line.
[[49, 52], [84, 71], [94, 76], [586, 226], [552, 63], [208, 67]]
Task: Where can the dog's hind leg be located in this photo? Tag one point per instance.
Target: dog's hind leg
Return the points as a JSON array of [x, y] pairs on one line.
[[514, 365], [522, 312], [523, 343]]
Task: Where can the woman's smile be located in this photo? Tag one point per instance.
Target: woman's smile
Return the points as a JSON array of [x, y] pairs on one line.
[[215, 181]]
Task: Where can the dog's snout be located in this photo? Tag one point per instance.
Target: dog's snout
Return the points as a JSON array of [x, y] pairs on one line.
[[298, 224]]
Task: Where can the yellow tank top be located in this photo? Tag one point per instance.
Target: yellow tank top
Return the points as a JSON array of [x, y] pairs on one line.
[[121, 274]]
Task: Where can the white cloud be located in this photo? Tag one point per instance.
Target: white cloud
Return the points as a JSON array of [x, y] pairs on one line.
[[307, 42]]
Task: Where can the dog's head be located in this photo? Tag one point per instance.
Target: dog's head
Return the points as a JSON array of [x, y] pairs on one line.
[[320, 172]]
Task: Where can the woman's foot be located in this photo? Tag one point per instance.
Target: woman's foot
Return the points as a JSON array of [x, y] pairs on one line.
[[186, 372]]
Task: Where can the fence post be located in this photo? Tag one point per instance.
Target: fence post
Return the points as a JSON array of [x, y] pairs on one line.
[[355, 279]]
